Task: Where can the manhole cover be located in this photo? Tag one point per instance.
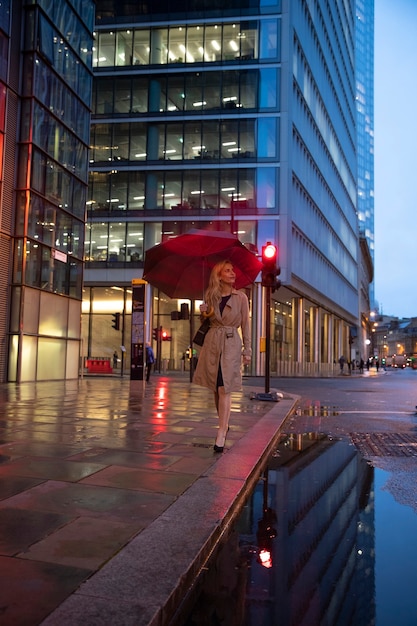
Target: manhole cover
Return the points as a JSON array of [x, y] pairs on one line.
[[385, 444]]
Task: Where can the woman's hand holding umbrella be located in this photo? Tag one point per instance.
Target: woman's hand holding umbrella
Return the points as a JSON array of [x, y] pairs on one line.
[[205, 310]]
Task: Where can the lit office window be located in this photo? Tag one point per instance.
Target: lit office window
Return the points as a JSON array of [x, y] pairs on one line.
[[237, 41]]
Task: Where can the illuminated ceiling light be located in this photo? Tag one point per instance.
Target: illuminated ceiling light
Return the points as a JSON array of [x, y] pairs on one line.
[[228, 188], [199, 104], [169, 151], [215, 45], [138, 197], [199, 147], [140, 155], [196, 193], [233, 45], [229, 143]]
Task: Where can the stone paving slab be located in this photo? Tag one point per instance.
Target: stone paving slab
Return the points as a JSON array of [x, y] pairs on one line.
[[121, 494]]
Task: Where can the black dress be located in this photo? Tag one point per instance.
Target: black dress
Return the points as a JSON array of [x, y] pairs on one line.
[[222, 304]]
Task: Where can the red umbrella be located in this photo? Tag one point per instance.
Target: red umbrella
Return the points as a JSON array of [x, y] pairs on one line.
[[180, 267]]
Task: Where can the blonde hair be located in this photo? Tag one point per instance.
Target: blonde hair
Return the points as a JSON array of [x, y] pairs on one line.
[[213, 293]]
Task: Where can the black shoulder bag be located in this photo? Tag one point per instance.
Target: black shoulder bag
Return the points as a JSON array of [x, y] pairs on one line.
[[202, 332]]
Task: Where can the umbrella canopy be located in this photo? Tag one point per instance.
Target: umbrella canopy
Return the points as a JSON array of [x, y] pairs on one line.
[[180, 267]]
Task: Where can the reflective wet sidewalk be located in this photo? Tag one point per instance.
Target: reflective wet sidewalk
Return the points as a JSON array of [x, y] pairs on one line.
[[320, 541], [110, 502]]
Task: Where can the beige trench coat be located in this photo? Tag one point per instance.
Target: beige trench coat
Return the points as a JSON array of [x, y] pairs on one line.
[[223, 344]]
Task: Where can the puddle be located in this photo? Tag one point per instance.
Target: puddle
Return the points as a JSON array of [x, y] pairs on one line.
[[320, 541]]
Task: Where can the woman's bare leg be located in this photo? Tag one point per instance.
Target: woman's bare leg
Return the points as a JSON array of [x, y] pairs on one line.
[[223, 405]]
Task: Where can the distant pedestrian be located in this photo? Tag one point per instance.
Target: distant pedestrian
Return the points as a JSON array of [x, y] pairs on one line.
[[361, 364], [342, 362], [150, 360], [377, 365], [115, 359]]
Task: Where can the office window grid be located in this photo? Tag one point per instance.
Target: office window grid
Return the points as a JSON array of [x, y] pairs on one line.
[[115, 192], [123, 243], [150, 153], [173, 141], [199, 43], [191, 92], [74, 19]]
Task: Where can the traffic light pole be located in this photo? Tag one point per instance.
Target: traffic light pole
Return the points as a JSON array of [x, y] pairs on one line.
[[267, 337], [267, 395], [270, 271]]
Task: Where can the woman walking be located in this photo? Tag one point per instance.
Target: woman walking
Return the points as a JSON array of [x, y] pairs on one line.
[[220, 361]]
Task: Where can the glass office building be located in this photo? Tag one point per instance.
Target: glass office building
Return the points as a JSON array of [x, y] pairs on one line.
[[236, 116], [45, 94], [365, 124]]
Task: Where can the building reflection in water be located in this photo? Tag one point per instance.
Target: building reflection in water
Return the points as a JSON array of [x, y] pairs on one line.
[[312, 513]]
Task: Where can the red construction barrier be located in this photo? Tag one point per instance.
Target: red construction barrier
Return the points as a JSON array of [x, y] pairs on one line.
[[98, 366]]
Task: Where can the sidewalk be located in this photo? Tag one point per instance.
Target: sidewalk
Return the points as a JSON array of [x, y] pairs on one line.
[[110, 502]]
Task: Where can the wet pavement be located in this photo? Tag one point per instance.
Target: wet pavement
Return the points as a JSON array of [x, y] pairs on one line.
[[111, 500]]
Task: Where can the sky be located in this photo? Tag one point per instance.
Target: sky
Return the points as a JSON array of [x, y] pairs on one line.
[[395, 117]]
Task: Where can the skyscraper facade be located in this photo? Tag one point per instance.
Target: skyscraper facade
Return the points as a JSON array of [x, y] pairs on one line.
[[365, 124], [237, 116], [45, 92]]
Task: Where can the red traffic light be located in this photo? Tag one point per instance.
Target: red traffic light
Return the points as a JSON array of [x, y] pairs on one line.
[[269, 252], [270, 270], [165, 336]]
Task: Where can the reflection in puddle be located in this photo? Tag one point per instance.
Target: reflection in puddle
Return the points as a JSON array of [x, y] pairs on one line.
[[314, 545]]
